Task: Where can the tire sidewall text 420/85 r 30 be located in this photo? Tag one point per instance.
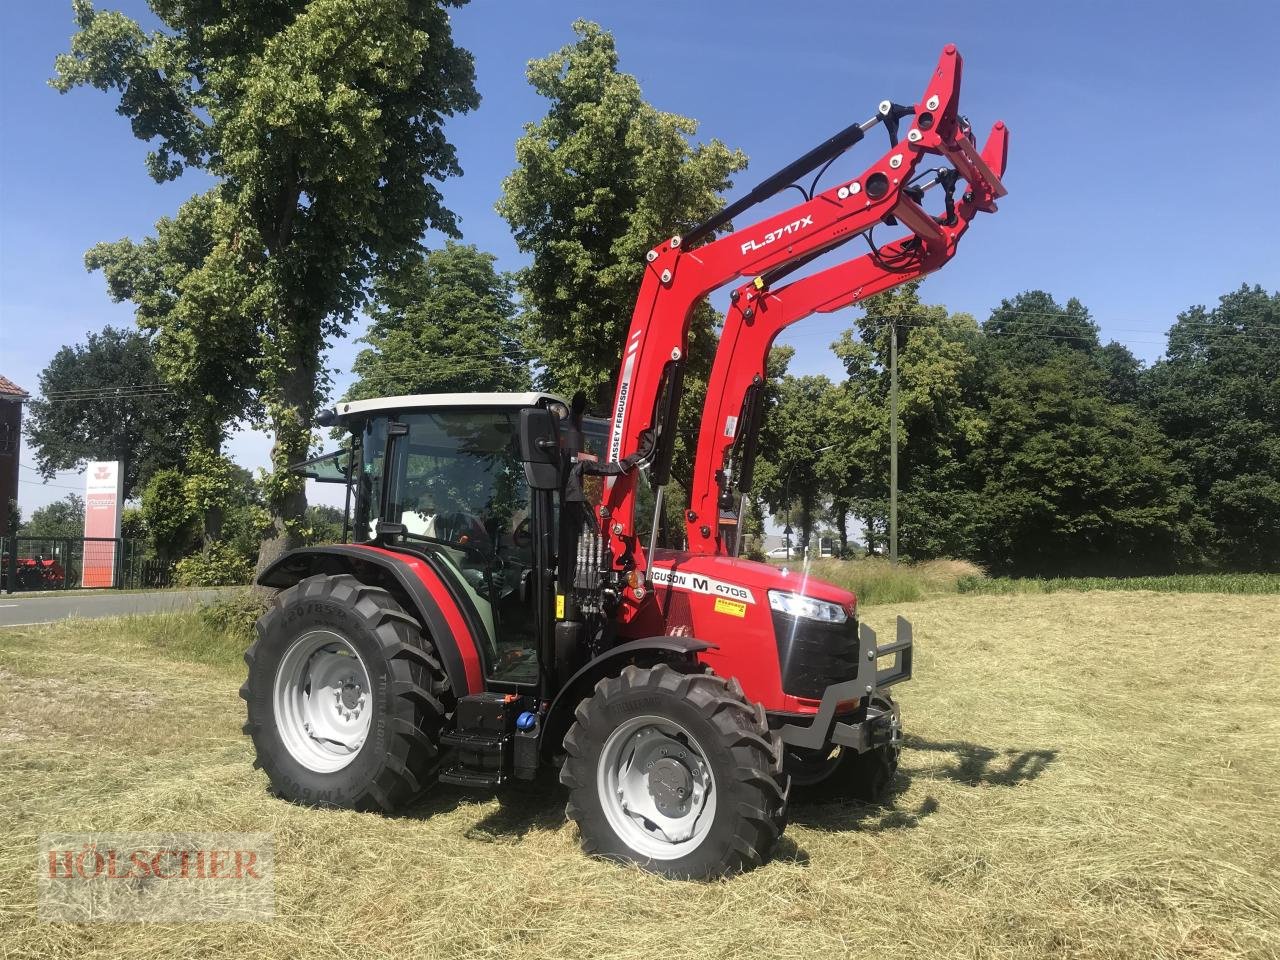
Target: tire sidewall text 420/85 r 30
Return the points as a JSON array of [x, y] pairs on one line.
[[345, 697]]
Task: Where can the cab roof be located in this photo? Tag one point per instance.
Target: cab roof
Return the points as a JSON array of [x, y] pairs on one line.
[[427, 401]]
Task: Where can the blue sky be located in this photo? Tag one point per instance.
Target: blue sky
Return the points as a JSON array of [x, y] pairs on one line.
[[1142, 170]]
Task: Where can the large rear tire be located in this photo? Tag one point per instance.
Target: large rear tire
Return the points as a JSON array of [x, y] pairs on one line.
[[345, 697], [676, 772]]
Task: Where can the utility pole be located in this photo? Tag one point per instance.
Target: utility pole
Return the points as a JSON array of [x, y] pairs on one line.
[[893, 441]]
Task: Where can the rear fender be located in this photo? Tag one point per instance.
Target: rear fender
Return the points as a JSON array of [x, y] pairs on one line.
[[650, 650], [423, 594]]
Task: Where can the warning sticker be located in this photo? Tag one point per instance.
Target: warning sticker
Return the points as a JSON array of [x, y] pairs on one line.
[[732, 607], [559, 606]]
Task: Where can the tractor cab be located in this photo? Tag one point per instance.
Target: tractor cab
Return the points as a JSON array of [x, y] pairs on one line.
[[447, 477]]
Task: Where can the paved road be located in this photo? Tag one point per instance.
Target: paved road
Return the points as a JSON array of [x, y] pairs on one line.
[[17, 610]]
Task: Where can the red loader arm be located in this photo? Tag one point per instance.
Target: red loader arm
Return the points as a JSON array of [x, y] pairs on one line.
[[730, 417], [680, 274]]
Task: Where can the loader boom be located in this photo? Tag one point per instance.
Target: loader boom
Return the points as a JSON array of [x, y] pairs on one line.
[[679, 274], [757, 314]]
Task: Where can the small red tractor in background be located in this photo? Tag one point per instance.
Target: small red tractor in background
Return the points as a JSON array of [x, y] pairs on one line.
[[506, 607]]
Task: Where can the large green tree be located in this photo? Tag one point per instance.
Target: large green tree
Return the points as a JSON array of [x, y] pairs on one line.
[[1217, 396], [321, 123], [1076, 484], [1073, 479], [445, 323], [600, 179], [98, 403]]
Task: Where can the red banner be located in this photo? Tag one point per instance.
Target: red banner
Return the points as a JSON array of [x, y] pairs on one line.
[[103, 500]]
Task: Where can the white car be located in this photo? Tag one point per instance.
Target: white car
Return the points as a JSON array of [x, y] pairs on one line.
[[782, 553]]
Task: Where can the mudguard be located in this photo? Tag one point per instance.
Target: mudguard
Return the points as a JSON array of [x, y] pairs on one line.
[[415, 584], [560, 713]]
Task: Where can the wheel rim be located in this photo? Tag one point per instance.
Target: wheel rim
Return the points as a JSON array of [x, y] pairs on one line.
[[323, 701], [656, 787]]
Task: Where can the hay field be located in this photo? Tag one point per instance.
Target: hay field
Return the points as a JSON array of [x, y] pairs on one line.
[[1087, 775]]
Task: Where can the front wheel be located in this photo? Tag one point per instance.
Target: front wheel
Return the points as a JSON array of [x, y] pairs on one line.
[[676, 772]]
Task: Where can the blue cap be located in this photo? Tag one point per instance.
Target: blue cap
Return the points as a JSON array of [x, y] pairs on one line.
[[527, 720]]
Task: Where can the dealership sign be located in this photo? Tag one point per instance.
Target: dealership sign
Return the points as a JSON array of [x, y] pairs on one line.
[[103, 501]]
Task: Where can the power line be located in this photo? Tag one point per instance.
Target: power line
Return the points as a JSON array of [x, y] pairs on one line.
[[58, 486]]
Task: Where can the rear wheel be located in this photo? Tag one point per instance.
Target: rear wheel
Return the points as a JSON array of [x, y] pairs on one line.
[[675, 772], [836, 772], [345, 697]]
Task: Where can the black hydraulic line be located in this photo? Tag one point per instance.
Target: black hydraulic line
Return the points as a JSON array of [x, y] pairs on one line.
[[829, 148], [771, 277]]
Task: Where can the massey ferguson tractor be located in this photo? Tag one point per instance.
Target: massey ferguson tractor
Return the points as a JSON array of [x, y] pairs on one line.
[[506, 605]]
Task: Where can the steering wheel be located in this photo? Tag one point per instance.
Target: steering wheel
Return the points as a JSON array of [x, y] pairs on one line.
[[522, 535]]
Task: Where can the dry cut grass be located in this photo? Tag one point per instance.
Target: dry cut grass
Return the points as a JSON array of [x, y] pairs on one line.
[[1087, 775]]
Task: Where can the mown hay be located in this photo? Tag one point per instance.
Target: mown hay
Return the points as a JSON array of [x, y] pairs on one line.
[[1087, 775]]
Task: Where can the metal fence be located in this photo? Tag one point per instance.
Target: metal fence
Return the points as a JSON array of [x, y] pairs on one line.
[[72, 563]]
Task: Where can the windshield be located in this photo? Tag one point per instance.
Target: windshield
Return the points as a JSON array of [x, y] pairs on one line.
[[456, 486]]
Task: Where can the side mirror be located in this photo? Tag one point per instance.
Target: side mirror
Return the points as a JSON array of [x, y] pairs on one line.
[[540, 448]]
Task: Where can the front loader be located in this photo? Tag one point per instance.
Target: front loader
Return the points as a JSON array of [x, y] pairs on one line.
[[503, 610]]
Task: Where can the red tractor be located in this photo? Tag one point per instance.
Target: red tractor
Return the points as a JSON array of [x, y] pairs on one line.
[[506, 605]]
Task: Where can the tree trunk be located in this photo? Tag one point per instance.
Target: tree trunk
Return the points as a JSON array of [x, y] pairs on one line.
[[806, 522], [840, 513], [287, 492]]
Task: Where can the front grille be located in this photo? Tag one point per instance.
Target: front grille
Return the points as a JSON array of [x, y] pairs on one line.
[[813, 655]]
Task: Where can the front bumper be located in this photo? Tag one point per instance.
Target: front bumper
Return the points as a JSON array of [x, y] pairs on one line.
[[877, 725]]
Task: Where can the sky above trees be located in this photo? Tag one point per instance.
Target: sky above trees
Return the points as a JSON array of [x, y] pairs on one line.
[[1121, 191]]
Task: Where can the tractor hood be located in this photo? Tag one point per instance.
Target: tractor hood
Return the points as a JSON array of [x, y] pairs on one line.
[[729, 576]]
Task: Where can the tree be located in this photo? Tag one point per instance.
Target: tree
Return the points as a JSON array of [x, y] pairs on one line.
[[61, 519], [938, 423], [1216, 394], [171, 524], [445, 323], [1032, 327], [135, 427], [321, 122], [324, 524], [1074, 484], [601, 179], [797, 426]]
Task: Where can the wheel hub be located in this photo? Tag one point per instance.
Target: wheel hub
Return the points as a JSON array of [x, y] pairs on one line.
[[671, 786]]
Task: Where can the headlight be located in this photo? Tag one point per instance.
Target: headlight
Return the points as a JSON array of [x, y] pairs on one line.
[[798, 605]]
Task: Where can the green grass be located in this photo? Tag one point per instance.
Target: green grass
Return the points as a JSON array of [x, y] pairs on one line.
[[1252, 583], [874, 580]]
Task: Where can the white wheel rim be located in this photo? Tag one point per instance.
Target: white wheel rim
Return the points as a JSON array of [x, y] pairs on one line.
[[323, 701], [656, 788]]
